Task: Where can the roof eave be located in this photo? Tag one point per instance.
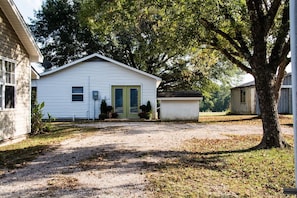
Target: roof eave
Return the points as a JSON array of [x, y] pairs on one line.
[[181, 98], [34, 74], [104, 58], [21, 29]]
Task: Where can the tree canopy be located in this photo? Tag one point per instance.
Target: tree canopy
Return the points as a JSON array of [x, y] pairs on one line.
[[132, 32], [190, 44], [252, 34], [61, 36]]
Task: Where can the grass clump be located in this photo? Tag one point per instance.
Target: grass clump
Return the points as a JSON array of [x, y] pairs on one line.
[[224, 168]]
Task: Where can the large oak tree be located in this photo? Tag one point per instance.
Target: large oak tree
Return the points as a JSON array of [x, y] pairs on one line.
[[131, 32], [252, 34]]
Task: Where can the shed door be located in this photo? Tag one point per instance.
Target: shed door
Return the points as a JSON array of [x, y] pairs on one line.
[[126, 100]]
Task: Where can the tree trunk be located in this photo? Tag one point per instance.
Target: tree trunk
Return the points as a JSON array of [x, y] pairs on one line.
[[272, 135]]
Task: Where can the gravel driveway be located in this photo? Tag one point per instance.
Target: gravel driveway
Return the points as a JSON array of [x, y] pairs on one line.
[[110, 163]]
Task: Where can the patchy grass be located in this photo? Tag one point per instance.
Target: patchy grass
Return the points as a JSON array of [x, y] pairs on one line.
[[224, 168], [241, 119], [62, 182], [18, 154]]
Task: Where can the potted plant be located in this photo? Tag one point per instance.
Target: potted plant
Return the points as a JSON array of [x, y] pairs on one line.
[[146, 111], [109, 111]]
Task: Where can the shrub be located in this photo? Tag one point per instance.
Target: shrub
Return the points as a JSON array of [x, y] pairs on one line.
[[102, 116], [107, 111], [145, 110], [103, 107], [37, 124], [148, 107], [114, 115]]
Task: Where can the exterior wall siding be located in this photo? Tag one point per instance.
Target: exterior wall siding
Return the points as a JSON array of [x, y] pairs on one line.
[[252, 105], [56, 89], [288, 80], [248, 107], [15, 122], [285, 101], [187, 109]]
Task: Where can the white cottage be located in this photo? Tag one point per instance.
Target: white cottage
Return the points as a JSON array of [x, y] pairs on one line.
[[17, 51], [76, 90]]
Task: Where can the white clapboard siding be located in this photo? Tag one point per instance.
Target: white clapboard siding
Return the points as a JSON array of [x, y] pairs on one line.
[[55, 88], [17, 46]]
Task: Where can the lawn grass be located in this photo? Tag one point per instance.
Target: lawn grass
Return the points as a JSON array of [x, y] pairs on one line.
[[224, 168], [218, 118], [227, 167], [18, 154]]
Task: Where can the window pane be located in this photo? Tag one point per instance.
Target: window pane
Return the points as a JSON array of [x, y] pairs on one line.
[[9, 96], [33, 96], [9, 72], [1, 71], [242, 96], [119, 101], [77, 90], [77, 98], [1, 96], [133, 101], [8, 79]]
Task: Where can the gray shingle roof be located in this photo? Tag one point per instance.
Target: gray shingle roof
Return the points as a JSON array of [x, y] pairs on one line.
[[179, 94]]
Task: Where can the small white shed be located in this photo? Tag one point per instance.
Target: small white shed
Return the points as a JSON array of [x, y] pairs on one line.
[[179, 105]]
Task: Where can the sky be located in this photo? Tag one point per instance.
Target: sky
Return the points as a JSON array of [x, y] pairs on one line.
[[27, 7]]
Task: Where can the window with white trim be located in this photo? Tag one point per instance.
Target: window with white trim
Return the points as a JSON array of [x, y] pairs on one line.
[[7, 83], [77, 94]]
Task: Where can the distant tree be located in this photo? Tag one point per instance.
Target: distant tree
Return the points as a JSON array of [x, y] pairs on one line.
[[218, 101], [62, 38]]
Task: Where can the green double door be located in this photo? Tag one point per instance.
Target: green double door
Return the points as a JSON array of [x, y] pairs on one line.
[[126, 101]]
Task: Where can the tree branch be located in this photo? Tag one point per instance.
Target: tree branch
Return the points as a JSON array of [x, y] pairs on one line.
[[232, 58], [281, 47], [280, 77], [257, 20], [243, 50], [270, 17]]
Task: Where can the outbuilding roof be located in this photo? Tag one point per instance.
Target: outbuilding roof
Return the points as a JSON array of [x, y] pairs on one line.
[[248, 84], [170, 94]]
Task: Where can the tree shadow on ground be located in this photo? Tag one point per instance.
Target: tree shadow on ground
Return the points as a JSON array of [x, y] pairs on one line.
[[111, 158], [17, 158]]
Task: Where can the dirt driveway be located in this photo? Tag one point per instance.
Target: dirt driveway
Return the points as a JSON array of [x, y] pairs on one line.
[[110, 163]]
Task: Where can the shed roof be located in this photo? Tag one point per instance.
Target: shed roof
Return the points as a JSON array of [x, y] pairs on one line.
[[171, 94], [17, 22], [96, 55], [252, 83], [248, 84]]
